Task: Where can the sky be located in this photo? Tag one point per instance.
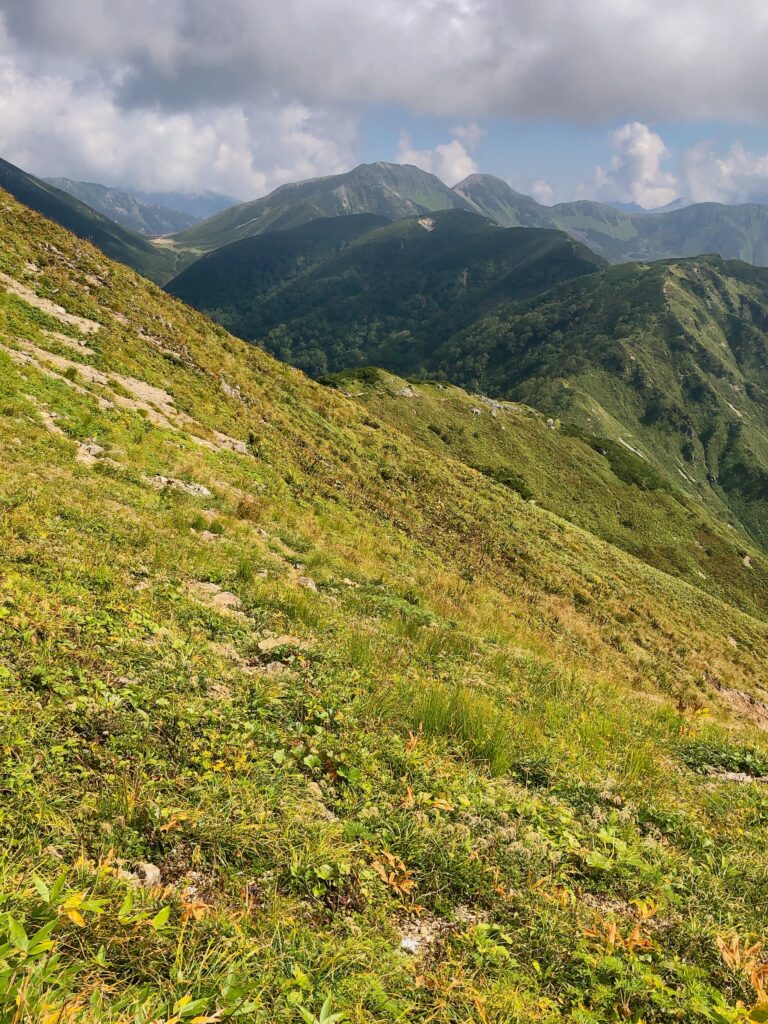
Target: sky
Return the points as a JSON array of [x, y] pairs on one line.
[[618, 100]]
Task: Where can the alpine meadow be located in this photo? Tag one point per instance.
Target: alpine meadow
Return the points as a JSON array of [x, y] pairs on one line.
[[383, 539]]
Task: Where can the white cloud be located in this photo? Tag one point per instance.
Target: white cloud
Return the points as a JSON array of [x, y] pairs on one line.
[[470, 134], [738, 176], [49, 125], [450, 161], [635, 173], [543, 192]]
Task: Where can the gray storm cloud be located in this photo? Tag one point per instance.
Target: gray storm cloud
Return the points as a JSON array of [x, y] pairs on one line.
[[578, 59]]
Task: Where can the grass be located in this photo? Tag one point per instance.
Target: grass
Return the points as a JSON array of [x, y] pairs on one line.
[[451, 739]]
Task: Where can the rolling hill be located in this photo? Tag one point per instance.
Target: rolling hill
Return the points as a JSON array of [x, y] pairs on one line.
[[117, 242], [298, 711], [334, 293]]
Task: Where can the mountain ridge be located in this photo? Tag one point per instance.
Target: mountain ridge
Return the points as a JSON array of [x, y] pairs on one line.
[[118, 242]]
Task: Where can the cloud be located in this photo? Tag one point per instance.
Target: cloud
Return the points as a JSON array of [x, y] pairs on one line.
[[450, 161], [543, 192], [263, 91], [635, 174], [584, 60], [50, 125], [738, 176]]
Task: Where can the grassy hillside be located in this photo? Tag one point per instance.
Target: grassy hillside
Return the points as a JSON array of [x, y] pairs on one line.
[[385, 190], [299, 712], [667, 359], [330, 294], [116, 241], [597, 484]]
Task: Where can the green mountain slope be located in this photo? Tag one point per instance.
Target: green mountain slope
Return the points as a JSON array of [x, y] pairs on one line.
[[125, 208], [296, 710], [231, 284], [600, 486], [116, 241], [494, 198], [385, 190], [734, 232], [388, 297], [667, 359]]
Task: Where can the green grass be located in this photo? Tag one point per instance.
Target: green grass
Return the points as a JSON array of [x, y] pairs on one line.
[[475, 728]]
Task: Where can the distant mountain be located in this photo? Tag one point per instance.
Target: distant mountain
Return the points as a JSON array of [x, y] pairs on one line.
[[626, 207], [386, 190], [492, 197], [125, 208], [116, 241], [149, 213], [334, 293], [198, 205], [395, 191], [677, 204], [680, 229]]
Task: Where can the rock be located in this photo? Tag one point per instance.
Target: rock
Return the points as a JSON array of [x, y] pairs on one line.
[[212, 595], [146, 875], [747, 561], [274, 642], [306, 582], [409, 945], [88, 452], [275, 668], [198, 490]]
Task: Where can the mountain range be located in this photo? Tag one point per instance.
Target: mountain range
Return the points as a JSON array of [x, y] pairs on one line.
[[345, 291], [118, 242], [394, 191], [159, 213], [667, 360]]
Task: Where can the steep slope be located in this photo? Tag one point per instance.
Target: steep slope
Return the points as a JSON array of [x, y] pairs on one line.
[[494, 198], [668, 359], [232, 284], [295, 709], [386, 190], [125, 208], [116, 241], [388, 297], [599, 485]]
